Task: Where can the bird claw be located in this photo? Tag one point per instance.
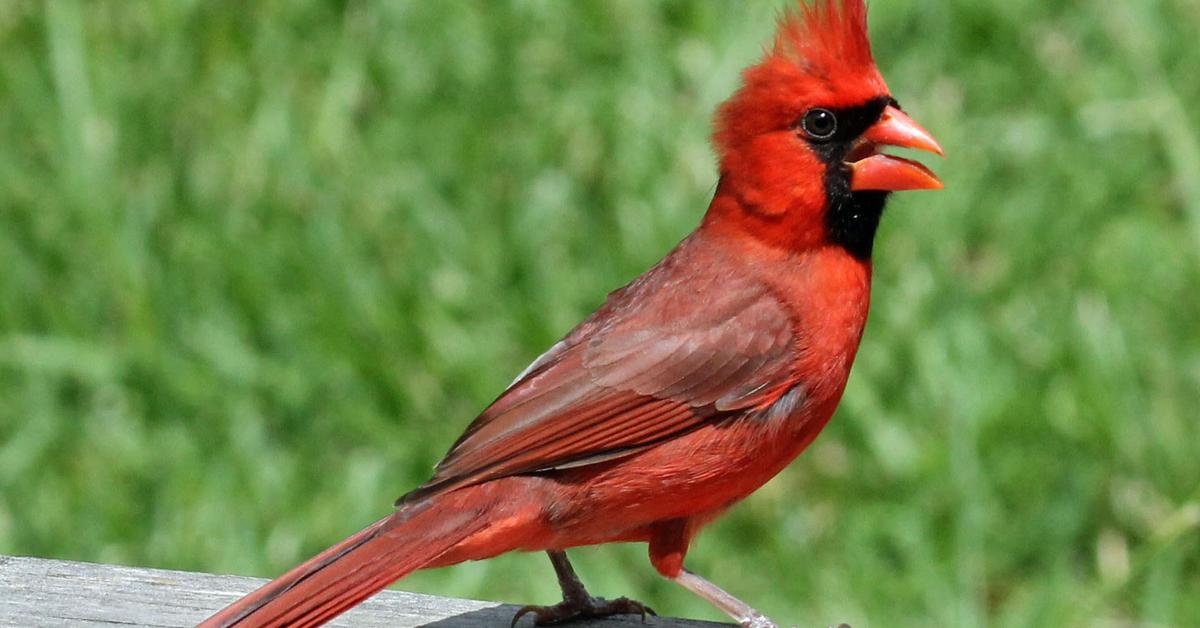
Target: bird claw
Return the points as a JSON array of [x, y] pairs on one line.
[[582, 608], [757, 620]]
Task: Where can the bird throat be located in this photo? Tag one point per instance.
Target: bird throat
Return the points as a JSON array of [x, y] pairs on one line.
[[852, 218]]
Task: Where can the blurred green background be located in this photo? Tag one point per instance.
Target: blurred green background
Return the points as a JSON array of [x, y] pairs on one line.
[[261, 262]]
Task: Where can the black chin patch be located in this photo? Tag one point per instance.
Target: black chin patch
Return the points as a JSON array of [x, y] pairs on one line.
[[851, 218]]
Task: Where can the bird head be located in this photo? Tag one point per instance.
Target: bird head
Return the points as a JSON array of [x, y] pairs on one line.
[[800, 143]]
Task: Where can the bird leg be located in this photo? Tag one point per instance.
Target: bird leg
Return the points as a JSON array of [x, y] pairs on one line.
[[577, 602], [743, 613]]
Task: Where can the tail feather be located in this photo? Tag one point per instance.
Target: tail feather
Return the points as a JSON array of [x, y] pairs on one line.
[[354, 569]]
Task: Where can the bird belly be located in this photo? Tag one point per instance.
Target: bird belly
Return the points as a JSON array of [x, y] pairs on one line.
[[696, 476]]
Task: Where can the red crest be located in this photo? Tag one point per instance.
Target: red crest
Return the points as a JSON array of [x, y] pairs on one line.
[[821, 56]]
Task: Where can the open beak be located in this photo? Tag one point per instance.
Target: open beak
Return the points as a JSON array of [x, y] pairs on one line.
[[872, 170]]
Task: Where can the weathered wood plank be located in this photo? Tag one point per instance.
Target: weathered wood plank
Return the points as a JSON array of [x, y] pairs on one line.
[[37, 592]]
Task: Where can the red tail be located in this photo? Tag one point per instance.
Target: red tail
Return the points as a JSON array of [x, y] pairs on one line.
[[354, 569]]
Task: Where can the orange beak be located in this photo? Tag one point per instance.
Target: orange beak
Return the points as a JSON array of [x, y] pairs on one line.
[[872, 170]]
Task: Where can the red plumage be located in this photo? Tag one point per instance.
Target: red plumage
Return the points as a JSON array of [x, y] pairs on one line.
[[691, 386]]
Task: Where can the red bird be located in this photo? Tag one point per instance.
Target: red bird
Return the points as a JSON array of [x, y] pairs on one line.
[[691, 386]]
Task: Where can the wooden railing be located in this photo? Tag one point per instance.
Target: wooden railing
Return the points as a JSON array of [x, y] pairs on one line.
[[38, 592]]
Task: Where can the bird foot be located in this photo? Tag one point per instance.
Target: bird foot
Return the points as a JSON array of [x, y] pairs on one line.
[[585, 607], [757, 620]]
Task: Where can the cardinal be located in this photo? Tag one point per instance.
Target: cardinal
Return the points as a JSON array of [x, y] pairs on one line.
[[691, 386]]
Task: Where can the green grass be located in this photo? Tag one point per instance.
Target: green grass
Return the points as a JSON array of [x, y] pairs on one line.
[[259, 267]]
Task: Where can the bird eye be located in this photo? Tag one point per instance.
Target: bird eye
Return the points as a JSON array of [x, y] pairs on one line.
[[819, 124]]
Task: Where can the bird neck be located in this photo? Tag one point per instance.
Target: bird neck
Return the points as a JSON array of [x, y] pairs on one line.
[[837, 216], [789, 224]]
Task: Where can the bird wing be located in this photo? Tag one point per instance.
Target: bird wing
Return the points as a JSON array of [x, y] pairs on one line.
[[674, 349]]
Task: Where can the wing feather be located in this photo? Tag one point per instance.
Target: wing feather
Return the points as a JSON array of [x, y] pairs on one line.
[[661, 357]]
